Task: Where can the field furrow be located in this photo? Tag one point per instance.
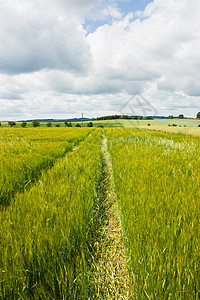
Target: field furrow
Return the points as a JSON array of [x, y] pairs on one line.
[[109, 278]]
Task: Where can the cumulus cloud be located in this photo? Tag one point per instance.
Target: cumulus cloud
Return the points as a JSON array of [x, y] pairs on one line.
[[47, 57], [34, 38], [162, 45]]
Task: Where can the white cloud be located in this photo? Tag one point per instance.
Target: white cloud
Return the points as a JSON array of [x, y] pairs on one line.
[[34, 39], [162, 48], [46, 59], [78, 7]]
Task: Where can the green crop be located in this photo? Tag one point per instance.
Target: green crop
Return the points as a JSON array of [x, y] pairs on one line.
[[157, 179], [24, 153], [45, 232], [49, 232]]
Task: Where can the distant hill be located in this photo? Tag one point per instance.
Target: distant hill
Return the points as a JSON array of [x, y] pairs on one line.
[[59, 120]]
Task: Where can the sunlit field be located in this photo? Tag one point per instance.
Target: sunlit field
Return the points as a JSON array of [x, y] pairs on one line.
[[53, 197], [191, 130], [45, 231], [163, 123], [25, 152], [157, 181]]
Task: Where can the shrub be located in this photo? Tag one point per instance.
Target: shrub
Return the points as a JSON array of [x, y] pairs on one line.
[[23, 124], [90, 124], [35, 123], [11, 123]]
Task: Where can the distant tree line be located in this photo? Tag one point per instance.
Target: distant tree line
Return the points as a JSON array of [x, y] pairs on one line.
[[181, 116], [36, 123], [113, 117], [117, 117]]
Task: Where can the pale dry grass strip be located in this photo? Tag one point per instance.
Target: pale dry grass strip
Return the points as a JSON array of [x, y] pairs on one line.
[[110, 277], [195, 131]]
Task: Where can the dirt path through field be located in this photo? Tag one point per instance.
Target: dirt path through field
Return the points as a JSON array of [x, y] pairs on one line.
[[110, 278]]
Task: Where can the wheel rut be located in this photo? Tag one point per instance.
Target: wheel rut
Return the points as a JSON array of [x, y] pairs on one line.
[[110, 277]]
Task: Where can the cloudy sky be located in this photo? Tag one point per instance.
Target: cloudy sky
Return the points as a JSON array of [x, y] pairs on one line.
[[61, 58]]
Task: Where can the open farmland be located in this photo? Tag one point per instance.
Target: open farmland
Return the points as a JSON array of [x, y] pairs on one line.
[[24, 153], [61, 232], [157, 181], [44, 232], [195, 131]]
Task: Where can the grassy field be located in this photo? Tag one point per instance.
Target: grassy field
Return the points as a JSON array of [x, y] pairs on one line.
[[25, 152], [120, 123], [195, 131], [45, 233], [106, 123], [182, 122], [161, 122], [53, 231], [158, 187]]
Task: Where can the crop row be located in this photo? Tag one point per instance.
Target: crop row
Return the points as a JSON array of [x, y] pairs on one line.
[[45, 232], [23, 154], [157, 181]]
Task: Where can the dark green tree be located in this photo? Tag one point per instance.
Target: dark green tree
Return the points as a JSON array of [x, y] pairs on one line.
[[23, 124], [77, 125], [66, 124], [198, 115], [57, 125], [90, 124], [148, 118], [35, 123], [49, 124], [170, 117], [181, 116], [11, 123]]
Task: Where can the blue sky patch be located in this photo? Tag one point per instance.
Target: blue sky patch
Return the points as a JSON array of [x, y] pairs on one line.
[[123, 6]]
